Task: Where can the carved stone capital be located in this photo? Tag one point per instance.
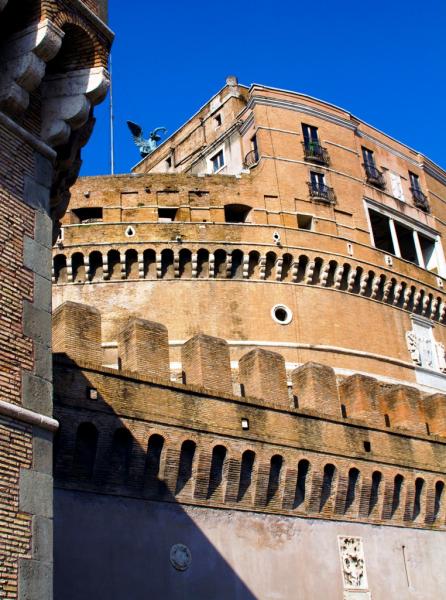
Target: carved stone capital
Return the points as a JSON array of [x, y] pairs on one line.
[[66, 102], [24, 58]]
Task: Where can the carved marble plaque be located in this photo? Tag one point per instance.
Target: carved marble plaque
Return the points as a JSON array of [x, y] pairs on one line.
[[352, 563]]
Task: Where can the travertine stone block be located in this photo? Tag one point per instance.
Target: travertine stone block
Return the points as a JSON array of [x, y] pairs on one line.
[[206, 362], [77, 332], [263, 375], [143, 346], [315, 387]]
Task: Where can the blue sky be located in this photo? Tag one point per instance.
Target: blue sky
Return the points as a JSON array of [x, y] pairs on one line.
[[382, 61]]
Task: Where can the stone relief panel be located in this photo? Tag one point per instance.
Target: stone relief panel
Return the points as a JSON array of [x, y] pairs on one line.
[[354, 574], [424, 350]]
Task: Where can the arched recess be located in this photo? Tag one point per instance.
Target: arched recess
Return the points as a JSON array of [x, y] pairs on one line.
[[237, 213], [185, 470], [96, 266], [237, 264], [78, 267], [120, 456], [131, 264], [246, 472], [60, 268], [203, 263], [85, 451], [185, 263]]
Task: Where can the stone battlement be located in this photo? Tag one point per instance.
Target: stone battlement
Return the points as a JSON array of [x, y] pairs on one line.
[[350, 449]]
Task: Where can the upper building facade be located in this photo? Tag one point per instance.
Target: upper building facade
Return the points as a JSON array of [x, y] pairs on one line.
[[274, 220]]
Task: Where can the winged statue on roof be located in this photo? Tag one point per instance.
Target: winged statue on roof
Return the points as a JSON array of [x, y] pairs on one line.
[[145, 145]]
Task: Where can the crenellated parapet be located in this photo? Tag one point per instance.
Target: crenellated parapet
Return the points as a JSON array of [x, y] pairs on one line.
[[323, 447]]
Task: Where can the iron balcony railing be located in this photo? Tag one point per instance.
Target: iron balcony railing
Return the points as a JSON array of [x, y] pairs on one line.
[[322, 192], [251, 159], [420, 199], [316, 153], [374, 176]]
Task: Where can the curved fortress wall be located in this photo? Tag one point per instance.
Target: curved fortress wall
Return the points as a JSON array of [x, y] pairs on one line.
[[275, 490]]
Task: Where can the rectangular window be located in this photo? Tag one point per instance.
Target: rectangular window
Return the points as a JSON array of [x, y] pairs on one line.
[[381, 232], [254, 147], [88, 214], [310, 134], [367, 155], [414, 182], [397, 188], [394, 236], [218, 161], [304, 221], [217, 121], [317, 180], [166, 215]]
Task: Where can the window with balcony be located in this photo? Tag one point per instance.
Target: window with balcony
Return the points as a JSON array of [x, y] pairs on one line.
[[313, 151], [218, 161], [318, 188], [419, 198], [391, 233], [373, 175]]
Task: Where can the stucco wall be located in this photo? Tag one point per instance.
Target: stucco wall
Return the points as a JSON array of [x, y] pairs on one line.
[[115, 548]]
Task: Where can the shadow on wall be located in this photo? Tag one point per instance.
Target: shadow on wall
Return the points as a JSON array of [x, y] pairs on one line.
[[113, 538]]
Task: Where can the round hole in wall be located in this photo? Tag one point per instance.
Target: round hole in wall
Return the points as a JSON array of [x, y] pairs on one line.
[[281, 314]]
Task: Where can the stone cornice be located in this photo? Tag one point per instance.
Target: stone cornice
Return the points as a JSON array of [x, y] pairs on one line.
[[28, 416], [27, 137]]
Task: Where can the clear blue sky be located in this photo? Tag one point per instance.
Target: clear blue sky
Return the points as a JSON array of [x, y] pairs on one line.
[[382, 61]]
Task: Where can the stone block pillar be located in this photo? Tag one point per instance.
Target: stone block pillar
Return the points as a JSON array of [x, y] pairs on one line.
[[77, 332], [315, 387]]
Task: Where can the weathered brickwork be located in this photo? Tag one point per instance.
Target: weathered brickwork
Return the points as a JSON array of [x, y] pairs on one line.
[[37, 48], [127, 434]]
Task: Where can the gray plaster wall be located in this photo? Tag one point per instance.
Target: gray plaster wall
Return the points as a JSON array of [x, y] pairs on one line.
[[118, 548]]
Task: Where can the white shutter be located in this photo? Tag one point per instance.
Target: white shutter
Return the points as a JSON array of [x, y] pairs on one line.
[[397, 188]]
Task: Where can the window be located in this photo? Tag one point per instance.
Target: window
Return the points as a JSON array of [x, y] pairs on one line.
[[304, 221], [318, 188], [419, 198], [396, 236], [313, 151], [89, 214], [236, 213], [217, 121], [218, 161], [317, 180], [166, 215], [254, 147], [310, 135], [373, 175], [168, 163]]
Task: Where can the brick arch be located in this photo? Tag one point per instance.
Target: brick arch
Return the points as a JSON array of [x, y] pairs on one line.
[[98, 45]]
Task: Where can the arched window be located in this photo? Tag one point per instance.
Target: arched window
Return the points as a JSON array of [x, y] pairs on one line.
[[167, 269], [153, 463], [419, 485], [131, 264], [220, 264], [247, 466], [254, 265], [353, 477], [374, 491], [149, 258], [331, 273], [120, 455], [216, 473], [287, 265], [274, 477], [78, 267], [114, 264], [96, 266], [439, 488], [237, 213], [85, 451], [237, 264], [203, 263], [270, 265], [60, 268], [302, 472], [187, 455], [397, 488], [185, 263], [327, 485], [301, 268]]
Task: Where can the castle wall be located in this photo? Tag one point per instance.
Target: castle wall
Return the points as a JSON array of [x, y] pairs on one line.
[[112, 547], [39, 160]]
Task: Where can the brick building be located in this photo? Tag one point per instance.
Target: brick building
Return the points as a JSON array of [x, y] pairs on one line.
[[53, 59], [250, 365]]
